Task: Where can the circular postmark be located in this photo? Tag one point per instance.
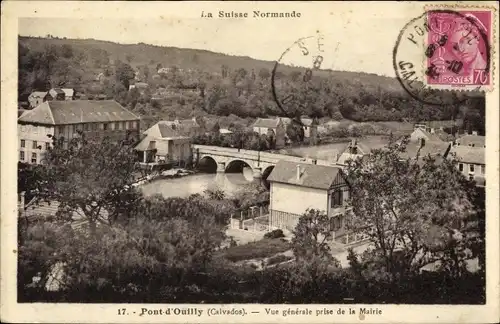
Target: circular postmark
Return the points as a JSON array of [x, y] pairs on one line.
[[443, 50], [305, 60]]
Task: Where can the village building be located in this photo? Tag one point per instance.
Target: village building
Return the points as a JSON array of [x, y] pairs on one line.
[[418, 133], [56, 94], [36, 98], [168, 142], [63, 119], [69, 94], [357, 148], [274, 127], [141, 86], [297, 187], [471, 140], [471, 162]]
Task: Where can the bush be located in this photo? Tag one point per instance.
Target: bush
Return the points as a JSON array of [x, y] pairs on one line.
[[277, 233], [278, 259], [259, 249]]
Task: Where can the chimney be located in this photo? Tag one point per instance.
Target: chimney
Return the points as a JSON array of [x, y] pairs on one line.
[[298, 172], [474, 132]]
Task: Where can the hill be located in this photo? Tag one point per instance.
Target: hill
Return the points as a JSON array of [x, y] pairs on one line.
[[217, 84]]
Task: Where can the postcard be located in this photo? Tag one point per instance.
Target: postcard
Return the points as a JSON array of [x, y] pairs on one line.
[[250, 162]]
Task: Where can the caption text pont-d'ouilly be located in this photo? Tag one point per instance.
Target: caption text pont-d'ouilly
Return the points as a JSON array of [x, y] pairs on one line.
[[252, 14], [242, 311]]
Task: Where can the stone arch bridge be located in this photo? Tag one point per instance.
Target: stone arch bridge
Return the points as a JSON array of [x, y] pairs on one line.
[[261, 163]]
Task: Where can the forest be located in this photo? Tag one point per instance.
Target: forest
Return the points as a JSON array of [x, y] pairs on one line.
[[182, 83]]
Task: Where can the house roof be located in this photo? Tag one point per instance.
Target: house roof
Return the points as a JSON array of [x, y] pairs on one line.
[[167, 130], [312, 175], [429, 148], [38, 94], [266, 122], [468, 140], [57, 90], [68, 92], [430, 136], [344, 157], [76, 112], [469, 154]]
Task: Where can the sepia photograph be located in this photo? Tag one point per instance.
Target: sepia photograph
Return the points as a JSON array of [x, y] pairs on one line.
[[219, 157]]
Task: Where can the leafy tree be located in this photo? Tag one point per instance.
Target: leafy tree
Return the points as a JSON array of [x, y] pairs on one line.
[[411, 209], [124, 73], [314, 262], [90, 177], [295, 132], [216, 128], [264, 74]]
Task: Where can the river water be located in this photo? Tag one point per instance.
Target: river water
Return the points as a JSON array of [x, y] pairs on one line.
[[197, 183]]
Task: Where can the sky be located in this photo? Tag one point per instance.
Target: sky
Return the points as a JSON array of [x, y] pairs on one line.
[[354, 40]]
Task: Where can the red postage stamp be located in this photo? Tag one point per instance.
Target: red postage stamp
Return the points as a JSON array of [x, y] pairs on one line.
[[458, 53]]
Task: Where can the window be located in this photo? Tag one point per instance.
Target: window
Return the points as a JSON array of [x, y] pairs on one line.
[[101, 126], [336, 198], [33, 157], [460, 167], [60, 129], [471, 177], [119, 125], [105, 126], [133, 124], [22, 156], [125, 125], [471, 167], [23, 143], [86, 127], [94, 126], [47, 145], [112, 126], [336, 223], [35, 145], [483, 169]]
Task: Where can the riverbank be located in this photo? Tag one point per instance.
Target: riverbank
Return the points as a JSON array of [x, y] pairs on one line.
[[162, 175]]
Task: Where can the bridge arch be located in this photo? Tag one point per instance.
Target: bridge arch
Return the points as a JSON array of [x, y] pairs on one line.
[[207, 164], [241, 167]]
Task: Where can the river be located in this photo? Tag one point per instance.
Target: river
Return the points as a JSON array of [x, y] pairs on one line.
[[197, 183]]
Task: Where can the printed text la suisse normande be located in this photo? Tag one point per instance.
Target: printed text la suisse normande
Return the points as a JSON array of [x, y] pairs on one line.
[[253, 14]]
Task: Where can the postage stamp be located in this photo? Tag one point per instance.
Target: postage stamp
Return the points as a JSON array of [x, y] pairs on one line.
[[458, 48]]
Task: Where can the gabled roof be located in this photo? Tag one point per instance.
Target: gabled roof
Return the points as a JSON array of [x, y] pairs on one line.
[[166, 130], [468, 154], [266, 122], [76, 112], [311, 175], [344, 157], [57, 90], [430, 148], [469, 140], [430, 136]]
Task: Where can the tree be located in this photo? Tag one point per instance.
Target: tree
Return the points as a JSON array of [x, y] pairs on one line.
[[295, 132], [264, 74], [90, 177], [409, 208], [216, 128], [124, 73], [314, 262]]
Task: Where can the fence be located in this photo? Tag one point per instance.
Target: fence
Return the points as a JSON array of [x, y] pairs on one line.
[[255, 218]]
